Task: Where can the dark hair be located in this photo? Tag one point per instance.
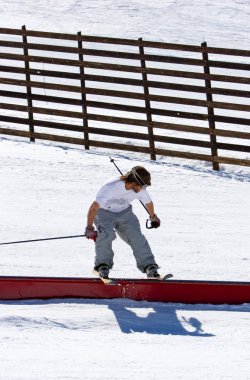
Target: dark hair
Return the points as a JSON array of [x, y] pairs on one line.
[[139, 175]]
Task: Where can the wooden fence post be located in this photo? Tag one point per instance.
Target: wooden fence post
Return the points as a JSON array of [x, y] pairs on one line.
[[210, 110], [28, 88], [84, 98], [147, 102]]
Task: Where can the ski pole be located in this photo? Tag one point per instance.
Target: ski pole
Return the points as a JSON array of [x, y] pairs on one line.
[[147, 222], [113, 162], [33, 240]]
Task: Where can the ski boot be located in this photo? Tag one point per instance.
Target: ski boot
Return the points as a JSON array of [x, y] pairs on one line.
[[151, 271], [103, 271]]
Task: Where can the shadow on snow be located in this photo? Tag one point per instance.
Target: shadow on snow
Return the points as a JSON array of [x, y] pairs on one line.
[[158, 320], [142, 317]]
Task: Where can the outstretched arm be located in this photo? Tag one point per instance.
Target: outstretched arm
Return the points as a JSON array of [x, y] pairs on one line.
[[92, 213]]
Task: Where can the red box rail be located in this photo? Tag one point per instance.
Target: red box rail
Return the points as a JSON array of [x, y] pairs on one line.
[[181, 291]]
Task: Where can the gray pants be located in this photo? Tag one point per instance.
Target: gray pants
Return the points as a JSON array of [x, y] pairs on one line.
[[127, 226]]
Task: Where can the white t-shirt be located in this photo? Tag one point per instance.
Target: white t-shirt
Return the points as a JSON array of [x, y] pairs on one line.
[[114, 197]]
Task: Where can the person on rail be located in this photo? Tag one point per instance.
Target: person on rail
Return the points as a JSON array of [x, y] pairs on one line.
[[111, 212]]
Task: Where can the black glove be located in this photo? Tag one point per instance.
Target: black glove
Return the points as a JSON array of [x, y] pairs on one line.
[[90, 233], [155, 221]]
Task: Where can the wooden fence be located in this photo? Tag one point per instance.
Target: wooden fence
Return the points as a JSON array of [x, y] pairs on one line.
[[125, 94]]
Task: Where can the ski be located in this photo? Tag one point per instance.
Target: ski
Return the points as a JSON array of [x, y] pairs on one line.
[[111, 281], [106, 281]]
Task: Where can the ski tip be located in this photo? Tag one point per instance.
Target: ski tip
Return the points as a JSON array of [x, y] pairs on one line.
[[167, 276], [161, 277]]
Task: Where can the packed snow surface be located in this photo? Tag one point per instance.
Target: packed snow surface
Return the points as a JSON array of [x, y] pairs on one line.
[[46, 191]]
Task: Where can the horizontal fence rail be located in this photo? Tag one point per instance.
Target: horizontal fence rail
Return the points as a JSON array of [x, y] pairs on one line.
[[155, 98]]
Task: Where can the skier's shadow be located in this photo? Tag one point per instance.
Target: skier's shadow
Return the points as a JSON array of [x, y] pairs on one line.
[[158, 319]]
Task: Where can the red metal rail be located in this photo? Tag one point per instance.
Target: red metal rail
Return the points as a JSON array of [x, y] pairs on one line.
[[214, 292]]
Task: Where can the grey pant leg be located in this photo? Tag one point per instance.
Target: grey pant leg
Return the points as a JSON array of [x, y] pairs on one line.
[[128, 228], [103, 247]]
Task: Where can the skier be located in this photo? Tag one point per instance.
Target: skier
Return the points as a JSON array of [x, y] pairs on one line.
[[112, 213]]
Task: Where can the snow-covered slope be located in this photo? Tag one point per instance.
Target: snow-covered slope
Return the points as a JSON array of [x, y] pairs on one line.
[[220, 23], [47, 191]]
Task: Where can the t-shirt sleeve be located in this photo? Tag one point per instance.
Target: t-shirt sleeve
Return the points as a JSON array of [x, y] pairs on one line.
[[144, 196]]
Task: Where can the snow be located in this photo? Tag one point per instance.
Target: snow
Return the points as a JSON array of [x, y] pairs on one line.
[[46, 190], [122, 339]]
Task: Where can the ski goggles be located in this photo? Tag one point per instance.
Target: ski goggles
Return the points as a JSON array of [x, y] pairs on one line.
[[139, 179]]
